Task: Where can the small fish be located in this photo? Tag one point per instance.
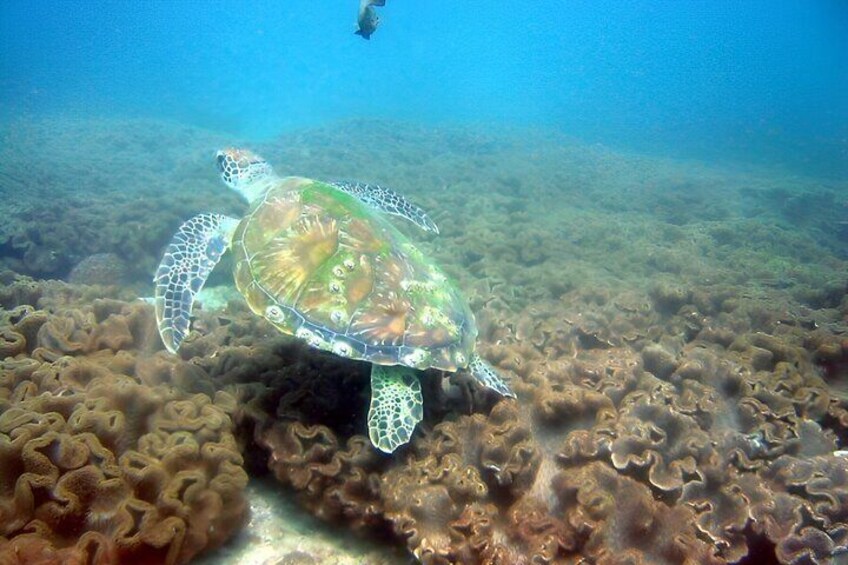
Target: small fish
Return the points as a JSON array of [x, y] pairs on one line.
[[368, 19]]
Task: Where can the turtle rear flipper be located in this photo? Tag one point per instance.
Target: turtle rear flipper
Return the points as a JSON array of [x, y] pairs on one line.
[[396, 406], [192, 254], [388, 201], [484, 374]]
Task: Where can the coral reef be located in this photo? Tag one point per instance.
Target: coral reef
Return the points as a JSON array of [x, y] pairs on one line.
[[534, 211], [84, 188], [100, 268], [727, 448], [95, 465], [680, 359]]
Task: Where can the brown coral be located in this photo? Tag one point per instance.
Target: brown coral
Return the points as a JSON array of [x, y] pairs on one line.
[[600, 458], [97, 467], [662, 416], [148, 473]]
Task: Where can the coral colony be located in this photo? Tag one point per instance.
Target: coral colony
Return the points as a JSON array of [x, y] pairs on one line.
[[668, 410]]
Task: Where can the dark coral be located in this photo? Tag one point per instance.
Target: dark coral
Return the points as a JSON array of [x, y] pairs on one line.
[[81, 191], [100, 268]]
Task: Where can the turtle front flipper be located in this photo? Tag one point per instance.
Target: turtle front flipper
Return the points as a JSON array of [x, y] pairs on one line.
[[388, 201], [484, 374], [192, 254], [396, 406]]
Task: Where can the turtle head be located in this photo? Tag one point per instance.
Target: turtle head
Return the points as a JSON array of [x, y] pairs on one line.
[[243, 170]]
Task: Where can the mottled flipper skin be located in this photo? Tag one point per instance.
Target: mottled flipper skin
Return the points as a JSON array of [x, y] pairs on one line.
[[484, 374], [388, 201], [192, 254], [396, 406]]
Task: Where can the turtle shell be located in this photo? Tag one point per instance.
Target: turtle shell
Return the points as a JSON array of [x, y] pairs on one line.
[[322, 266]]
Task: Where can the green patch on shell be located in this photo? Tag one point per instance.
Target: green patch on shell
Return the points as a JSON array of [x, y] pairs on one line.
[[335, 202]]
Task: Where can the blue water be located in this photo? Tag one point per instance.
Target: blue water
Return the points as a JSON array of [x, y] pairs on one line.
[[745, 82]]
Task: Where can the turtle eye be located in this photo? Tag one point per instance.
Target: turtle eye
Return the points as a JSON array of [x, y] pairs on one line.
[[221, 160]]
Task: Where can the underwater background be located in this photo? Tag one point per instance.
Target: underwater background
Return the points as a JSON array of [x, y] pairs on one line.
[[645, 204]]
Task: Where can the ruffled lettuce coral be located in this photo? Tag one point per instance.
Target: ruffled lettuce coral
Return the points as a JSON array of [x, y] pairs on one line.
[[680, 367], [677, 443], [96, 466], [710, 456]]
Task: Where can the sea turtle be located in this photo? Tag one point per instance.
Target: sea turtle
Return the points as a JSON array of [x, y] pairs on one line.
[[320, 261]]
